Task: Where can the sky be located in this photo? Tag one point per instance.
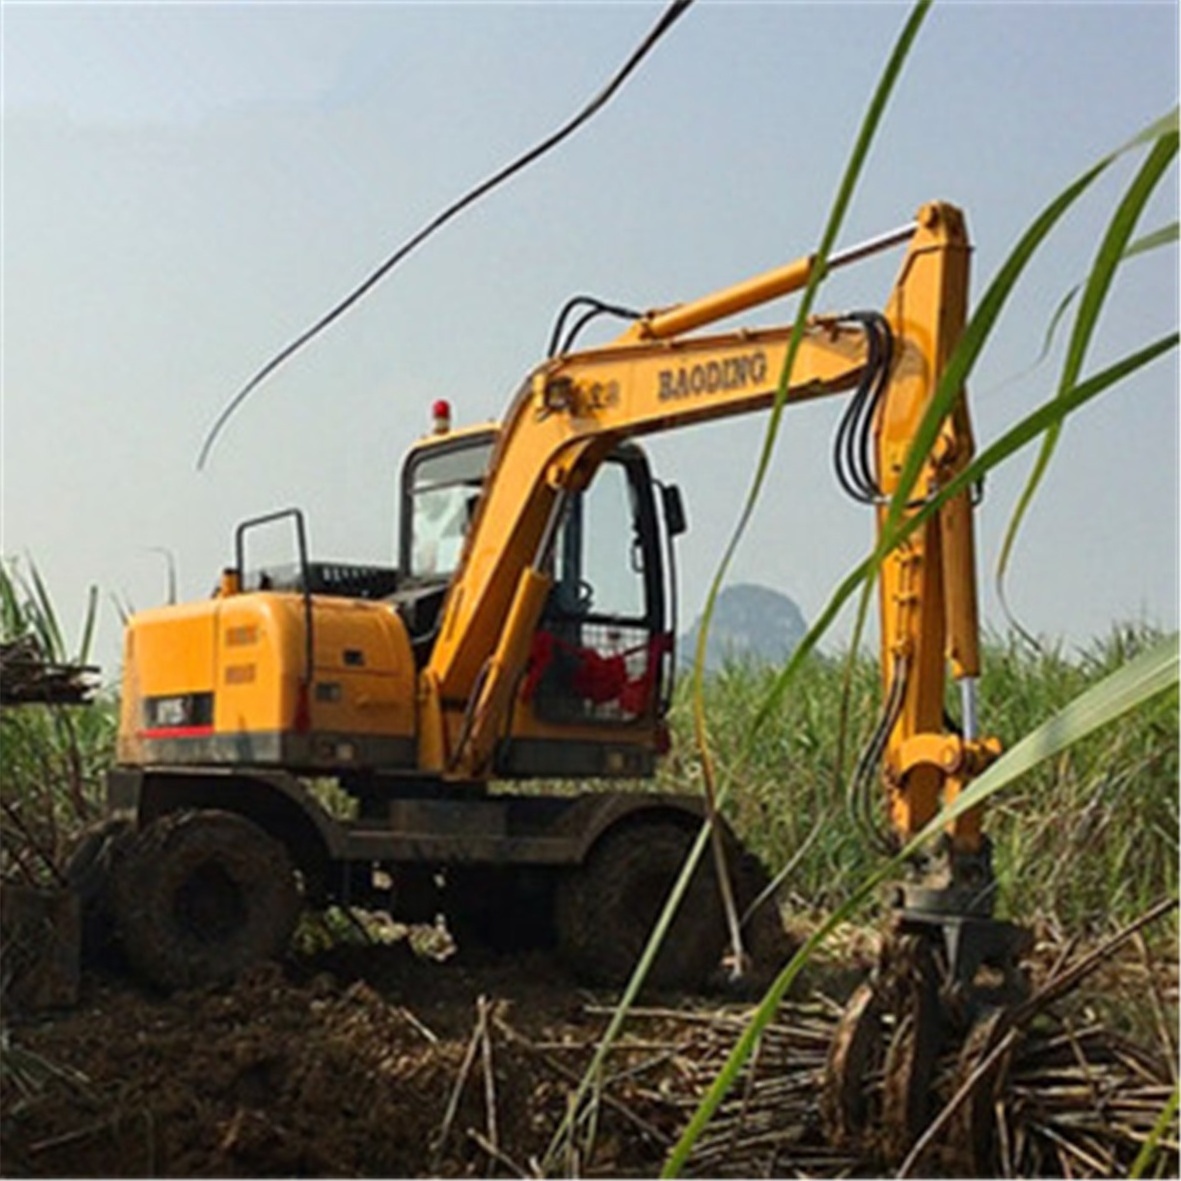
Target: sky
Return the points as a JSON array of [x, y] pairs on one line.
[[186, 187]]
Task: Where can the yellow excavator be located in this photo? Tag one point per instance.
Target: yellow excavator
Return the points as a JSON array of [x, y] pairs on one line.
[[323, 733]]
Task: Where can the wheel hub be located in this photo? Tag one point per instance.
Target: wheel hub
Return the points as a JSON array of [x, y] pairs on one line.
[[209, 904]]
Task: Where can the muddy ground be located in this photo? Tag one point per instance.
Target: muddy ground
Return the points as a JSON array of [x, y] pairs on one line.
[[376, 1061], [345, 1063]]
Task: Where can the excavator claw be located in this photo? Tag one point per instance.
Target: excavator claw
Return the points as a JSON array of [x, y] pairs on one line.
[[920, 1028], [982, 1064], [882, 1059], [854, 1056], [941, 987]]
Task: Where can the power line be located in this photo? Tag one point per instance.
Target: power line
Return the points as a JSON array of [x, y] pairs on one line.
[[671, 14]]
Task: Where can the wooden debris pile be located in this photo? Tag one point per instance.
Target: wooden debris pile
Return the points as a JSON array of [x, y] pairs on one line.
[[1080, 1103], [1044, 1092], [1071, 1102], [29, 677]]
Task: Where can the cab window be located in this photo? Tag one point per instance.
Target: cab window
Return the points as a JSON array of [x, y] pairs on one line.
[[599, 565], [440, 490]]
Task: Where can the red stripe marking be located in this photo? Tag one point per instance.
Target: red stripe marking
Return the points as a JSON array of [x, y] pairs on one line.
[[178, 732]]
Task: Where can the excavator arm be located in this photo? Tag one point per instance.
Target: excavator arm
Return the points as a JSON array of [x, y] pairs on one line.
[[574, 410]]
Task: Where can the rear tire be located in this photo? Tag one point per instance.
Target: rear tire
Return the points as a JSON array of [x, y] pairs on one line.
[[89, 871], [202, 895], [606, 908]]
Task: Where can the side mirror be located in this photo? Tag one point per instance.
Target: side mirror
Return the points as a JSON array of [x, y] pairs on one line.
[[675, 520]]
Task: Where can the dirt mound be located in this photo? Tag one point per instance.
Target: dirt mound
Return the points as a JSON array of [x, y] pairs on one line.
[[368, 1061], [302, 1071], [371, 1061], [235, 1082]]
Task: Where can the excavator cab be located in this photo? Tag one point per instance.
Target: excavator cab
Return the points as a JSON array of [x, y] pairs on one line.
[[602, 656]]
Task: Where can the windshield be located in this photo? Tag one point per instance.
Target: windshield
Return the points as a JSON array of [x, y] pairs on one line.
[[441, 491]]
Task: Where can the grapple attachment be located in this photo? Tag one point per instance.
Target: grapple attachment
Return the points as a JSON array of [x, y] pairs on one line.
[[945, 983]]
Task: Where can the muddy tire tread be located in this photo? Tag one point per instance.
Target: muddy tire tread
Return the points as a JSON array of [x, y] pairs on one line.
[[89, 871], [605, 909], [161, 860]]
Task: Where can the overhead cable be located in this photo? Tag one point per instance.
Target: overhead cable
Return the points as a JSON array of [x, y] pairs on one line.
[[671, 14]]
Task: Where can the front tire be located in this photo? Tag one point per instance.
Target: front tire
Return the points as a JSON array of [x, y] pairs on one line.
[[202, 895], [606, 908]]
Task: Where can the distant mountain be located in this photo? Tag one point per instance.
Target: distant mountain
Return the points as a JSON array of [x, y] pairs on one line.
[[750, 623]]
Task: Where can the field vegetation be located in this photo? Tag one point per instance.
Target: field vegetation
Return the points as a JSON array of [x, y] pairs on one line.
[[1086, 840], [53, 753], [1085, 843]]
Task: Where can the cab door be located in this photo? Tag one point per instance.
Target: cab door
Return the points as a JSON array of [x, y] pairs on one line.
[[602, 653]]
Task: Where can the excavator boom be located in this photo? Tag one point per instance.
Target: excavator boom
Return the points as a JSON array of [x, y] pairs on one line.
[[575, 410]]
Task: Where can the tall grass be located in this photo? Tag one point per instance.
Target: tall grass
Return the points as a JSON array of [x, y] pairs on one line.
[[1091, 836], [1088, 839], [54, 757]]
